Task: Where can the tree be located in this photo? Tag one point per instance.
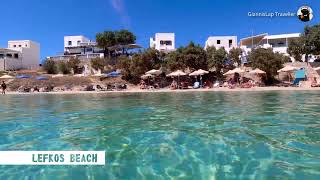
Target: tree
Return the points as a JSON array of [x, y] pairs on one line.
[[296, 49], [311, 37], [50, 66], [156, 57], [194, 56], [234, 55], [98, 63], [109, 39], [105, 40], [268, 61], [174, 60], [63, 67], [124, 37], [216, 58], [133, 68], [74, 64]]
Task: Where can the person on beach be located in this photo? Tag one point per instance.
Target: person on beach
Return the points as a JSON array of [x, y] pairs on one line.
[[3, 87]]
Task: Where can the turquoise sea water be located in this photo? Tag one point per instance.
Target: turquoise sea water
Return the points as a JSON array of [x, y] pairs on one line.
[[208, 135]]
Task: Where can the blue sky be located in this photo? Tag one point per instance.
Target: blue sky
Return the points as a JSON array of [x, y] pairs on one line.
[[47, 21]]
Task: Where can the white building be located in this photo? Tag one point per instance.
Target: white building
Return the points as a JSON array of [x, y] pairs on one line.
[[227, 42], [79, 47], [278, 43], [21, 54], [163, 42]]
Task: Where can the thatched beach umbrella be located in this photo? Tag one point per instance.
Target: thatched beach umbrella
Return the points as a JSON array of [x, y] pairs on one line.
[[199, 72], [317, 68], [147, 76], [154, 72], [6, 77], [230, 72], [177, 73], [288, 69], [257, 71], [238, 70]]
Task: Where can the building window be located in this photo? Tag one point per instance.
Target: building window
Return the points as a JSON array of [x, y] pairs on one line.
[[78, 42], [20, 45], [16, 56], [230, 43], [69, 43], [9, 55], [218, 41], [14, 45], [26, 45], [1, 56], [167, 43]]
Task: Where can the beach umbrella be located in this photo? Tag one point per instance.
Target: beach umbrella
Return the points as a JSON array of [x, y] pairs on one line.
[[177, 73], [317, 68], [230, 72], [23, 76], [199, 72], [287, 69], [146, 76], [238, 70], [42, 78], [154, 72], [6, 77], [257, 71], [57, 75]]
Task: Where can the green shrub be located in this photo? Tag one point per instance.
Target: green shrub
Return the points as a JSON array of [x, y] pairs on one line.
[[64, 68], [98, 63], [74, 64], [50, 66]]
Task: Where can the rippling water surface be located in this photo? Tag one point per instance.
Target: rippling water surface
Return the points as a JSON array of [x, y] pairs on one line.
[[209, 135]]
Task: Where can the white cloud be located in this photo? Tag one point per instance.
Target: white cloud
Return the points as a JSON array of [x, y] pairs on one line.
[[119, 7]]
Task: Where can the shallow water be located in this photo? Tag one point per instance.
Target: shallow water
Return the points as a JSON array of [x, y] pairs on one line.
[[199, 135]]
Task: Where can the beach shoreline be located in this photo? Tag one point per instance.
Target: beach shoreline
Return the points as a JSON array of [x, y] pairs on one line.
[[135, 90]]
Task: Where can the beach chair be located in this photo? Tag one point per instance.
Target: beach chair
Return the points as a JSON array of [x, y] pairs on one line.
[[300, 75]]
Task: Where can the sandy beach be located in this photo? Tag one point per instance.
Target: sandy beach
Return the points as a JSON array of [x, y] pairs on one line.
[[166, 90]]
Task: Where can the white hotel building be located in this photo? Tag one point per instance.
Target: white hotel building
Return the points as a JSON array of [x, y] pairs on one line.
[[164, 42], [278, 43], [21, 54], [227, 42], [79, 47]]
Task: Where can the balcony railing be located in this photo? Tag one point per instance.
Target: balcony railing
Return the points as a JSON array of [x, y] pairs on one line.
[[79, 56]]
